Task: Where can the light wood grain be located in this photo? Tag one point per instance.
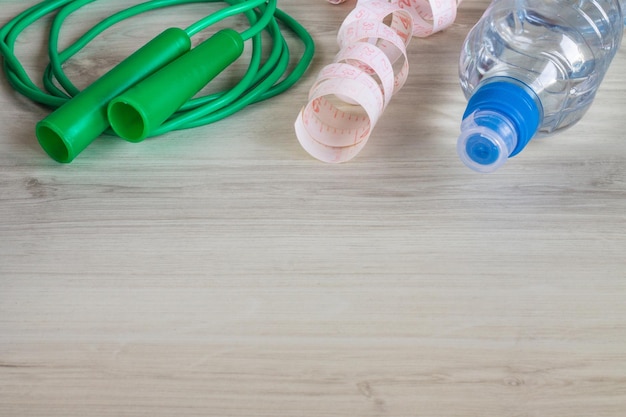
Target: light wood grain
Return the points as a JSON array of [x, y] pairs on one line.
[[221, 271]]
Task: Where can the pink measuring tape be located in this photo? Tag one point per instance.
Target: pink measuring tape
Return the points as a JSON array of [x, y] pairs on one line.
[[350, 94]]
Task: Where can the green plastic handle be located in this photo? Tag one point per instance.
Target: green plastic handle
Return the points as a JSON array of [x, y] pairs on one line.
[[137, 112], [72, 127]]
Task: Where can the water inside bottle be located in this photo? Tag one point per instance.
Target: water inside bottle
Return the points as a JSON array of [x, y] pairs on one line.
[[541, 44]]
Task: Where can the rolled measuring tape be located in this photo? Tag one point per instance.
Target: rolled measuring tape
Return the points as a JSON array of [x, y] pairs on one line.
[[350, 94]]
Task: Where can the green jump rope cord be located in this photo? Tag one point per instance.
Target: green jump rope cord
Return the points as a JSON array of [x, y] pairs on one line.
[[263, 79]]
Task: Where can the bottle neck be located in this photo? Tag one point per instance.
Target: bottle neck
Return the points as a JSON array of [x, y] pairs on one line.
[[502, 116], [514, 100]]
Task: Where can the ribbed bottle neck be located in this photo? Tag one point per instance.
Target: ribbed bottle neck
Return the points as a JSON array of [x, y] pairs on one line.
[[512, 98]]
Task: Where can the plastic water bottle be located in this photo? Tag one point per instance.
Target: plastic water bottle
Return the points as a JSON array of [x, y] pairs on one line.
[[532, 67]]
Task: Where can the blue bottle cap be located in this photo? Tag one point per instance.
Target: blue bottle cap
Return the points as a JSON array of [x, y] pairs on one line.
[[512, 99], [487, 139]]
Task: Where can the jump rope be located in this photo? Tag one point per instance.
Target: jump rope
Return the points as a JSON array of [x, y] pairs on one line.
[[157, 72]]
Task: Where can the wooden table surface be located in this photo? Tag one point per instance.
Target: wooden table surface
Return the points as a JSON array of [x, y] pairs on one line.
[[222, 271]]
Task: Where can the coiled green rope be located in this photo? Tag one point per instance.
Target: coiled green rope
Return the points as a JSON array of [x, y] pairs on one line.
[[265, 76]]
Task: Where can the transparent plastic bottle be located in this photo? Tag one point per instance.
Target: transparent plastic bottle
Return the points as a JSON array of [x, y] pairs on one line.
[[532, 67]]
